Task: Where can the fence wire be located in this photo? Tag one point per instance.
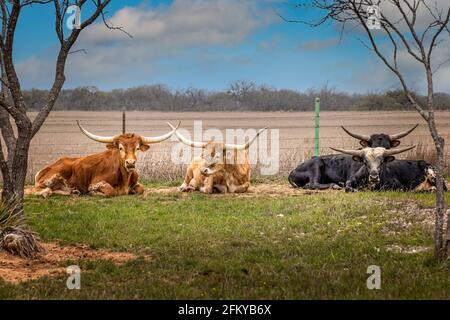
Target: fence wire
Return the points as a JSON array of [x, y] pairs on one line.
[[60, 136]]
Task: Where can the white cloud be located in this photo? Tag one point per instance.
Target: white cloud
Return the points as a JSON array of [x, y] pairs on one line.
[[183, 23], [158, 33]]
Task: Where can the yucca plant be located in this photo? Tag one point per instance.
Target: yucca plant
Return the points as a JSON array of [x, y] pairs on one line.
[[15, 237]]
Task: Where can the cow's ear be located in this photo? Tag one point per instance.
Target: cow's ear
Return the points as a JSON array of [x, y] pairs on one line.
[[395, 143], [111, 146], [357, 158], [364, 143], [389, 159], [144, 147]]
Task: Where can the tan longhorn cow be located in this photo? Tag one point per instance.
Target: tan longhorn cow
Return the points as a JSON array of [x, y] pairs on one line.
[[221, 167]]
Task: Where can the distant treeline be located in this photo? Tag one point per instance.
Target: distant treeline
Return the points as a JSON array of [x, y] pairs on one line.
[[239, 96]]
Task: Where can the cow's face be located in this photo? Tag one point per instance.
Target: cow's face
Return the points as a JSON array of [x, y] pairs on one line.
[[128, 146], [373, 158], [217, 155], [430, 174], [380, 141], [213, 159]]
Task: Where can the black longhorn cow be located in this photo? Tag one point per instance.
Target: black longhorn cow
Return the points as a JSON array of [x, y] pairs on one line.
[[354, 171], [383, 140], [337, 170], [385, 173]]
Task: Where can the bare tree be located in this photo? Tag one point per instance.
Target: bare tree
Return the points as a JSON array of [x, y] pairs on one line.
[[412, 28], [13, 109]]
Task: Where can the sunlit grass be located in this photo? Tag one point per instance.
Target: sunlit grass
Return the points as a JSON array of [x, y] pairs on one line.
[[297, 247]]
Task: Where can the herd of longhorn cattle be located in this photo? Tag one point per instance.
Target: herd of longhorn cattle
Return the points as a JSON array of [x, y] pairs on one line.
[[225, 168]]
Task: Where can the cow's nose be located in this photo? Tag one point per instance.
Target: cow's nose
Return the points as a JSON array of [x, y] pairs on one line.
[[130, 162]]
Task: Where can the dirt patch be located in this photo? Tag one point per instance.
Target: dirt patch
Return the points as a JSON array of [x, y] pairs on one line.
[[15, 269], [409, 214], [272, 189]]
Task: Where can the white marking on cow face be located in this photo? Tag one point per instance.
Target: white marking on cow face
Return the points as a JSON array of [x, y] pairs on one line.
[[122, 151], [430, 174], [213, 155], [128, 155], [373, 159]]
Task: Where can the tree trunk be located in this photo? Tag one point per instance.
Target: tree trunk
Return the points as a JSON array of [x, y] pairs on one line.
[[13, 190], [440, 201], [447, 246]]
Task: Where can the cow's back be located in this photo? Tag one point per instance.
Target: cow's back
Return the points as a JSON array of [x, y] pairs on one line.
[[410, 173], [93, 168], [339, 168], [62, 168]]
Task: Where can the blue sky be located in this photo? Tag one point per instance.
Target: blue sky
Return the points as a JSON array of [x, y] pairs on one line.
[[200, 43]]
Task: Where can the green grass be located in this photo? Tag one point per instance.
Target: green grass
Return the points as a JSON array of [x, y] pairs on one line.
[[228, 247]]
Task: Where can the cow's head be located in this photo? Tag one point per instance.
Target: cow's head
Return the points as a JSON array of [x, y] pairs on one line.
[[216, 155], [382, 140], [373, 158], [430, 174], [128, 145]]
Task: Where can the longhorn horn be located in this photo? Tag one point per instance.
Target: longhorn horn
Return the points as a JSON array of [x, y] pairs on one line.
[[149, 140], [95, 137], [358, 153], [355, 135], [185, 140], [246, 145], [402, 134], [391, 152]]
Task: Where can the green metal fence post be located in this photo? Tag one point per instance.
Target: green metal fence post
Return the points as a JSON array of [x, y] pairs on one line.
[[317, 128]]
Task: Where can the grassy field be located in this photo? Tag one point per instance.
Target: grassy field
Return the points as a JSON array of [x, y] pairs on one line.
[[310, 245]]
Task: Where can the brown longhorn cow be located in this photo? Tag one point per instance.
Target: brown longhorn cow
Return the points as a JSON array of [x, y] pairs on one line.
[[109, 173], [221, 167]]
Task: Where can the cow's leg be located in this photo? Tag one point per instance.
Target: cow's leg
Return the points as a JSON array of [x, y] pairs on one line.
[[349, 186], [238, 188], [137, 189], [45, 193], [135, 186], [207, 185], [298, 179], [221, 188], [189, 183], [103, 188], [392, 184], [356, 180], [315, 177], [53, 185], [425, 186]]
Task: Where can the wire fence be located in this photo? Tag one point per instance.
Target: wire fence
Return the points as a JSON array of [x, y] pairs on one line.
[[60, 136]]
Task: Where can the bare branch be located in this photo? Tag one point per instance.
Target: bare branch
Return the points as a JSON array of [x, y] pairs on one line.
[[61, 62]]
